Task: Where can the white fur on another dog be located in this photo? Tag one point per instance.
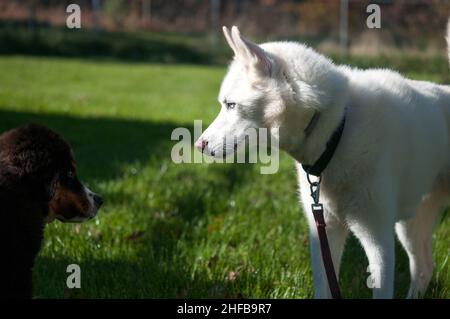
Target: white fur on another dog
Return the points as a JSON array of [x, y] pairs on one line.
[[391, 170]]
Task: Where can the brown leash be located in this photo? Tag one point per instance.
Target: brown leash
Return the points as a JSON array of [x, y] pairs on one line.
[[316, 169], [317, 209]]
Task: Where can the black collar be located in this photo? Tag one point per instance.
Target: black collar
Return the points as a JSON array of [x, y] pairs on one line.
[[319, 166]]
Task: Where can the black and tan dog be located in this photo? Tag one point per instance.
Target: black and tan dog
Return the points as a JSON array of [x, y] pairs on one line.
[[38, 183]]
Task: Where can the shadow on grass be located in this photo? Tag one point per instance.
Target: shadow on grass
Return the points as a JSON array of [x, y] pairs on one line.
[[121, 279], [102, 147]]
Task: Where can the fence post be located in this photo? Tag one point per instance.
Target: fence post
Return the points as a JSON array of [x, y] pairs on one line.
[[343, 27], [215, 20], [31, 15], [146, 11], [96, 10]]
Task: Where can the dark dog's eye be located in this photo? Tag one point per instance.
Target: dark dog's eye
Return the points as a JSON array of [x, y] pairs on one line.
[[70, 174], [230, 105]]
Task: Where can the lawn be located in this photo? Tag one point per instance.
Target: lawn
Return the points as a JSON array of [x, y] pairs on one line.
[[172, 230]]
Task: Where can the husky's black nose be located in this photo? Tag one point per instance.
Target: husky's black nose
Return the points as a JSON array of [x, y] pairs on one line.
[[98, 201]]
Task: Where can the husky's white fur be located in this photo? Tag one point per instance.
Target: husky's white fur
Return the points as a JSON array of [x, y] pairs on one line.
[[391, 170]]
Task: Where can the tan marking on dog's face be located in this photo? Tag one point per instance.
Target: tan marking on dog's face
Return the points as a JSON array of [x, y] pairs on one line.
[[71, 201], [68, 205]]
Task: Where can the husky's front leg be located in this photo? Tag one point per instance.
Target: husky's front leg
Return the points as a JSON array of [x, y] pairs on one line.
[[378, 241], [337, 234]]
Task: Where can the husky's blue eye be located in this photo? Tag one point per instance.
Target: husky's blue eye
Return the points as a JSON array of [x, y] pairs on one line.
[[230, 105]]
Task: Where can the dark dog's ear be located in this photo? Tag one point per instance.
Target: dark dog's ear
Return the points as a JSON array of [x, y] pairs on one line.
[[30, 177], [51, 187], [9, 174]]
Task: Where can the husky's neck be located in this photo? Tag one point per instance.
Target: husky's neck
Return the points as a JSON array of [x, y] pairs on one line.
[[315, 86], [314, 144]]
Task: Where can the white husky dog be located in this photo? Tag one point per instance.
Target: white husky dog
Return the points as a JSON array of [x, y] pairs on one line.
[[391, 168]]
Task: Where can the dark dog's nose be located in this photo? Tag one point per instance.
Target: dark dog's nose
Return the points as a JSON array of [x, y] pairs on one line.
[[98, 201]]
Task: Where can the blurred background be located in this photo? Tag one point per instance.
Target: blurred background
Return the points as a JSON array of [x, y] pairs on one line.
[[135, 71], [38, 26]]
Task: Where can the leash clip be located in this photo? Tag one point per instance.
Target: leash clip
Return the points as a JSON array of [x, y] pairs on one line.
[[315, 188]]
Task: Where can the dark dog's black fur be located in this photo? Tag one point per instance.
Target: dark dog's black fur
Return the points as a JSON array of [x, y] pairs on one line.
[[37, 184]]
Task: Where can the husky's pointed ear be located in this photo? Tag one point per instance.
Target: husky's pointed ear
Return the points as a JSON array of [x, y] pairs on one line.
[[229, 39], [251, 53]]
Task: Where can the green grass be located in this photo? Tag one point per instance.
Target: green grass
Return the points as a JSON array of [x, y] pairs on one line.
[[168, 230]]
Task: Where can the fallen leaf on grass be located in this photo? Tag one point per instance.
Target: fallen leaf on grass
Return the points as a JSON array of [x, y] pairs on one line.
[[231, 276], [135, 236]]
